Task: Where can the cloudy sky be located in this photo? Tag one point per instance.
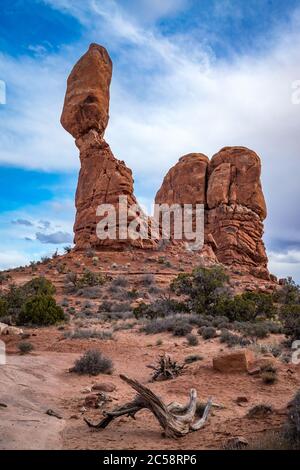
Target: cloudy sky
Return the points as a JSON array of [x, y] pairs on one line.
[[189, 76]]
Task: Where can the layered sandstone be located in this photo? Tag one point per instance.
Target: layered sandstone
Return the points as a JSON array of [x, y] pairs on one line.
[[230, 189], [102, 178]]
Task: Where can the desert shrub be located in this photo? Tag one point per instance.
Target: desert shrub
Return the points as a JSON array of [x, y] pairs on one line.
[[120, 281], [132, 294], [40, 310], [290, 317], [208, 332], [25, 347], [269, 377], [193, 358], [93, 292], [89, 279], [253, 330], [182, 329], [192, 339], [64, 303], [105, 306], [233, 340], [289, 293], [159, 308], [87, 334], [168, 324], [3, 307], [67, 249], [93, 362], [147, 279], [202, 287], [38, 286], [260, 411], [236, 308], [264, 306]]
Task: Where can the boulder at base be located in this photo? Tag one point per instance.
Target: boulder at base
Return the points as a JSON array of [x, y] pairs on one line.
[[236, 361]]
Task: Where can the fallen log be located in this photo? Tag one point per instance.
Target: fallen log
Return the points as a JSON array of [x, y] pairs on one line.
[[176, 420]]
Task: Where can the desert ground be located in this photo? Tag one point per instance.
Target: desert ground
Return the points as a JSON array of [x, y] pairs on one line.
[[31, 384]]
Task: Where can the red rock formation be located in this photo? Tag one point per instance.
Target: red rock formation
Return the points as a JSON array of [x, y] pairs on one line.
[[102, 177], [229, 186], [236, 209]]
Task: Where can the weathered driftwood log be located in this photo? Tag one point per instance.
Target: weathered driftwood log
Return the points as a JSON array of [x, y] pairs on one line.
[[175, 419]]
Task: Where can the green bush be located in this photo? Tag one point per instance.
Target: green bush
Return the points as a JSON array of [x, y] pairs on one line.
[[89, 279], [3, 307], [237, 308], [25, 347], [292, 427], [40, 310], [264, 306], [159, 308], [289, 293], [202, 287], [290, 317], [38, 286]]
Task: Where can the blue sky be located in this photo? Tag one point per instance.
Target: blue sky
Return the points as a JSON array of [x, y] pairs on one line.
[[189, 76]]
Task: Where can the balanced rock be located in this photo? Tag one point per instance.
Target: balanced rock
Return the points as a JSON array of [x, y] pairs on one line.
[[102, 179]]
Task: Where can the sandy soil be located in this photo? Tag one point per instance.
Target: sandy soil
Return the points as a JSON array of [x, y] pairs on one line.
[[33, 383]]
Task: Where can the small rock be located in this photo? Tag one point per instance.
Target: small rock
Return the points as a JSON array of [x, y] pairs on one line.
[[53, 413], [74, 417], [86, 390], [107, 387], [237, 361], [82, 409], [254, 371], [241, 401]]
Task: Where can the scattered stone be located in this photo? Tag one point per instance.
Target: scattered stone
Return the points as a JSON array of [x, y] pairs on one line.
[[10, 330], [241, 401], [107, 387], [74, 417], [83, 409], [86, 390], [3, 405], [53, 413], [237, 361]]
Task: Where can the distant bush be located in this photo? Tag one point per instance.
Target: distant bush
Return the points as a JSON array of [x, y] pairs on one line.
[[93, 362], [192, 339], [202, 287], [193, 358], [159, 308], [38, 286], [87, 334], [40, 310], [290, 317], [147, 280], [208, 332], [3, 307], [169, 324], [182, 329], [233, 340], [89, 279], [25, 347], [289, 293], [120, 281]]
